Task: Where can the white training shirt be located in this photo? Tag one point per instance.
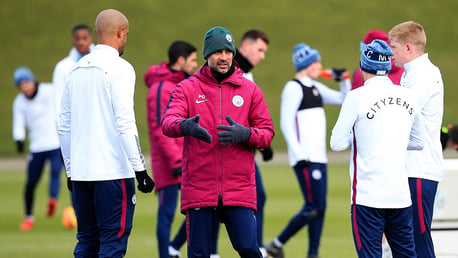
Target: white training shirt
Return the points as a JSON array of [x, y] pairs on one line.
[[96, 125], [425, 81], [304, 129], [380, 121], [37, 117], [61, 71]]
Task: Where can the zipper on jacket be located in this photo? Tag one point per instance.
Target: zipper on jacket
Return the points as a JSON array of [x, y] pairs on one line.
[[220, 197]]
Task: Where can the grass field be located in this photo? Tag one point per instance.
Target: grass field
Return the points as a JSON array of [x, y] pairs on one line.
[[50, 239], [37, 34]]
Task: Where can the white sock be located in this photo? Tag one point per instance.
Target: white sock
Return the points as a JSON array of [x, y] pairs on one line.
[[173, 251], [263, 252], [277, 243], [214, 256]]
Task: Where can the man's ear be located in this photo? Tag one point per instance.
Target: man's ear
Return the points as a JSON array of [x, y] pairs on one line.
[[245, 44], [409, 47], [181, 60], [120, 31]]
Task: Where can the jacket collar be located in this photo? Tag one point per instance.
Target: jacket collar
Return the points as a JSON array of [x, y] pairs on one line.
[[204, 74]]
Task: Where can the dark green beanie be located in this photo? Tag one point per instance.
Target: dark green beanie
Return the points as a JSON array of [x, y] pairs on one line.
[[217, 38]]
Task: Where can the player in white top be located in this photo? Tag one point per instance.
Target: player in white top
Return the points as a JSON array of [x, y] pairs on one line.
[[82, 45], [380, 121], [100, 144], [303, 124], [34, 113], [252, 50], [425, 168]]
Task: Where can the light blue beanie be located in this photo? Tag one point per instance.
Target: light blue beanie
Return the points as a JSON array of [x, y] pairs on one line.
[[22, 73], [376, 58], [303, 56]]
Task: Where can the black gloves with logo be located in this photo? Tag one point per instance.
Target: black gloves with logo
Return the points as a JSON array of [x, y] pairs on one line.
[[69, 184], [267, 153], [234, 133], [145, 183], [191, 127], [176, 172], [338, 74], [20, 146], [303, 163]]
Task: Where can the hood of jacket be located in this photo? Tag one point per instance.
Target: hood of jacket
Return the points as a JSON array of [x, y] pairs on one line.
[[162, 72]]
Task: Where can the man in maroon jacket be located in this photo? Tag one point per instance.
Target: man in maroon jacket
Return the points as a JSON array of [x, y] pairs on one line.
[[223, 118], [166, 152]]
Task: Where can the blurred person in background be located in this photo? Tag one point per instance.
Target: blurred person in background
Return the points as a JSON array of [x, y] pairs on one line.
[[252, 50], [449, 136], [303, 123], [82, 45], [166, 152], [34, 114]]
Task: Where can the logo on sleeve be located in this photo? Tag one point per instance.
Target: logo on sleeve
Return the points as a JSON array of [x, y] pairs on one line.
[[316, 174], [238, 101], [201, 99]]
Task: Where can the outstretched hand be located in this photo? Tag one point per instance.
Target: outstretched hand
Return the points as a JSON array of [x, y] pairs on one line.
[[234, 133], [191, 127]]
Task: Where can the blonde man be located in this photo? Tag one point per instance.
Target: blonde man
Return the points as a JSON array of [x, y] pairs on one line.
[[425, 168]]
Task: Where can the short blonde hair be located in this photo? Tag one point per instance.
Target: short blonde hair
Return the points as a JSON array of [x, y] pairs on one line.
[[409, 32]]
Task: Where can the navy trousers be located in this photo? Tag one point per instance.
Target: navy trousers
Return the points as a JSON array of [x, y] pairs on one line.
[[104, 211], [313, 184], [168, 197], [423, 194], [368, 225], [35, 167], [240, 224], [261, 201]]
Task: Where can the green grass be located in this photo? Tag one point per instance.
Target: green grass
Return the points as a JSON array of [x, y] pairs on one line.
[[50, 239], [37, 34]]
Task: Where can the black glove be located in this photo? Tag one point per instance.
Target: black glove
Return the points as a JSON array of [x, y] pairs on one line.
[[69, 184], [267, 153], [191, 127], [444, 138], [234, 133], [176, 172], [145, 183], [20, 146], [338, 74], [303, 163]]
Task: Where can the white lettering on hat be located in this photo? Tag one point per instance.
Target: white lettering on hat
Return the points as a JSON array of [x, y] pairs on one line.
[[238, 101], [369, 54], [229, 38]]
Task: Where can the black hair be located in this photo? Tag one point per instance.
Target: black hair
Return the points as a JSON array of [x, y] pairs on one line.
[[81, 27], [180, 48]]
